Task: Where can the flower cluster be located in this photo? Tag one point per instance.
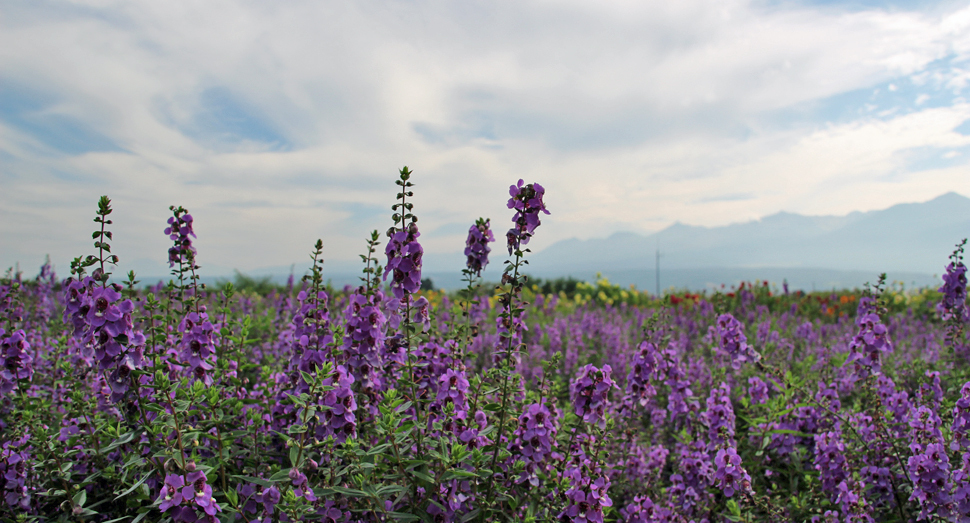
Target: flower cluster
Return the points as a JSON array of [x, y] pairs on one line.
[[14, 460], [198, 345], [643, 510], [527, 202], [404, 260], [103, 327], [534, 439], [730, 475], [16, 360], [953, 305], [340, 407], [643, 370], [363, 339], [476, 246], [929, 469], [184, 496], [589, 393], [869, 344], [179, 229], [830, 460], [587, 501], [719, 417], [731, 340]]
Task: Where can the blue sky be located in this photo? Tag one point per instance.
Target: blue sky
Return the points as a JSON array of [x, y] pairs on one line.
[[277, 123]]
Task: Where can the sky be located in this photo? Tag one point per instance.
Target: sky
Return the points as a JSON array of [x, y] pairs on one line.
[[277, 123]]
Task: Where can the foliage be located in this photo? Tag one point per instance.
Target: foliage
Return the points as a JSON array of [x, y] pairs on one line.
[[528, 400]]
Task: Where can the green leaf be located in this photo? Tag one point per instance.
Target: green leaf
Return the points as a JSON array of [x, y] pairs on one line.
[[259, 481], [354, 493], [232, 497], [133, 487], [81, 497], [280, 476], [458, 473], [402, 516]]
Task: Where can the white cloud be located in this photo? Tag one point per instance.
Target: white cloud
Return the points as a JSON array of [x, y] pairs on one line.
[[630, 113]]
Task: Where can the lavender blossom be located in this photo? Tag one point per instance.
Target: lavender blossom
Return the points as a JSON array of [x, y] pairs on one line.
[[589, 393], [179, 229], [730, 475], [953, 305], [15, 359], [476, 246], [527, 202], [731, 340], [870, 343], [404, 255]]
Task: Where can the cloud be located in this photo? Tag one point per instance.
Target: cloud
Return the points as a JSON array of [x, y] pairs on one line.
[[278, 123]]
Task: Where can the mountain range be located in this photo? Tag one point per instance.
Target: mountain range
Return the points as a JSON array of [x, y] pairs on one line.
[[911, 242]]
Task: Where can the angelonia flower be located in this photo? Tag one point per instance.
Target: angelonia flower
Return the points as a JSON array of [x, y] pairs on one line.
[[730, 475], [14, 460], [587, 501], [870, 342], [731, 340], [476, 246], [953, 305], [758, 391], [188, 497], [719, 417], [830, 460], [179, 229], [694, 475], [589, 393], [198, 345], [339, 417], [961, 420], [363, 340], [527, 202], [404, 260], [929, 469], [643, 370], [852, 503], [643, 510], [587, 495], [533, 439], [104, 330], [15, 359]]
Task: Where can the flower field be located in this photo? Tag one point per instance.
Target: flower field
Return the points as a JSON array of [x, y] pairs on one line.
[[514, 401]]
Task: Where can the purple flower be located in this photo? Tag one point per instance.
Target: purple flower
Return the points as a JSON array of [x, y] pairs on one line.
[[961, 419], [589, 393], [953, 305], [830, 460], [527, 202], [476, 246], [870, 342], [643, 370], [929, 469], [16, 360], [534, 438], [719, 417], [730, 475], [758, 390], [179, 229], [731, 340], [171, 495], [404, 255]]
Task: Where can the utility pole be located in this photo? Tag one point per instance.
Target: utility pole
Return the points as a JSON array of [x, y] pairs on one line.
[[658, 269]]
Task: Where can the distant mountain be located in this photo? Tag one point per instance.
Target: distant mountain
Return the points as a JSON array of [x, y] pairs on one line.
[[914, 239]]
